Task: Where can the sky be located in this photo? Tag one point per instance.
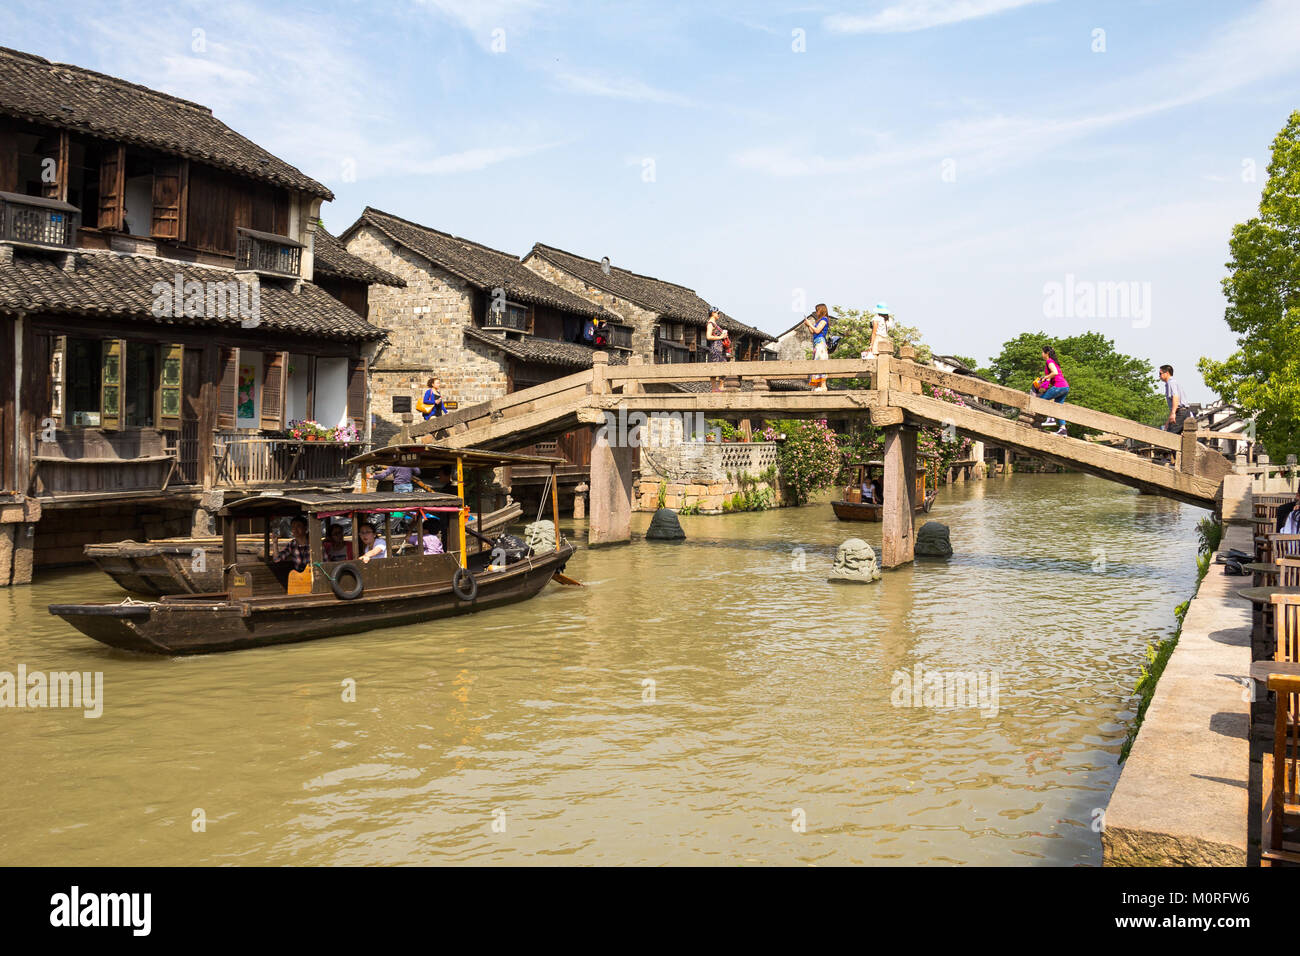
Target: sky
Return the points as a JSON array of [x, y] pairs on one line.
[[986, 167]]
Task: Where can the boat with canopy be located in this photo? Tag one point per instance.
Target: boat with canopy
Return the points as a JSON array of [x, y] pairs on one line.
[[427, 570]]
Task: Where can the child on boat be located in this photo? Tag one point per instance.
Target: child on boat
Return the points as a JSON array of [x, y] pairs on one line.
[[429, 541]]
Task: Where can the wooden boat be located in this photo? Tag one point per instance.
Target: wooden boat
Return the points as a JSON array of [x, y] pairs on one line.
[[851, 507], [263, 602], [193, 565]]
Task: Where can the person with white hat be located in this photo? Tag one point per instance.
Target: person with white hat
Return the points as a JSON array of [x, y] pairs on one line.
[[881, 326]]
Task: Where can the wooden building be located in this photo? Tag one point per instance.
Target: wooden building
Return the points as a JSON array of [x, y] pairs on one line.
[[159, 326], [667, 319]]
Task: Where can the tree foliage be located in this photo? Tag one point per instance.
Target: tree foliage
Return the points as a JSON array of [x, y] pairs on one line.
[[1263, 375], [1099, 377]]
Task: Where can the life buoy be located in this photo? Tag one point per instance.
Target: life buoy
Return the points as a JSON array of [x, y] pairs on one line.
[[463, 585], [347, 594]]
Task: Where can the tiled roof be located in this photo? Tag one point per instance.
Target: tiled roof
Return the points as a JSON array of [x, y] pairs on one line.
[[74, 98], [479, 265], [122, 286], [542, 351], [332, 259], [670, 300]]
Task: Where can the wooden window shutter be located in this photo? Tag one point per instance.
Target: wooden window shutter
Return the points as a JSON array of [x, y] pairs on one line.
[[57, 188], [110, 389], [357, 393], [170, 197], [274, 366], [112, 188], [310, 371], [58, 364], [227, 388], [171, 386]]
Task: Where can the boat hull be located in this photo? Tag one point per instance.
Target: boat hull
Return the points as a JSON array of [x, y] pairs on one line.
[[863, 511], [204, 626]]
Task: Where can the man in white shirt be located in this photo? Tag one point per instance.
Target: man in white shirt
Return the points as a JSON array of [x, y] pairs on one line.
[[1178, 410]]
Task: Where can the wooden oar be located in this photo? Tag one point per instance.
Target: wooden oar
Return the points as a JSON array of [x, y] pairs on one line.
[[566, 580]]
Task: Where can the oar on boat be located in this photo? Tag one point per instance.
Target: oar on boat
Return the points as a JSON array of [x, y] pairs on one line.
[[564, 579]]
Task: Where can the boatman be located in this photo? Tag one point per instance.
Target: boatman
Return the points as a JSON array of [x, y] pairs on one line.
[[402, 477]]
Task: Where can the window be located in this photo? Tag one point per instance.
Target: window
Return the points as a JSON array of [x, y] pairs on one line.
[[82, 368], [140, 385], [116, 383], [510, 315]]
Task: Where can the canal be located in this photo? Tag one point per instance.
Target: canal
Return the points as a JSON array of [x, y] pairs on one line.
[[713, 702]]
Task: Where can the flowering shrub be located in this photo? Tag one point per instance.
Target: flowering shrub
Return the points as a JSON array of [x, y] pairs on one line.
[[305, 429], [809, 457]]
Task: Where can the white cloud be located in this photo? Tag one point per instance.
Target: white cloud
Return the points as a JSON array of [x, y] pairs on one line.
[[592, 84], [910, 15]]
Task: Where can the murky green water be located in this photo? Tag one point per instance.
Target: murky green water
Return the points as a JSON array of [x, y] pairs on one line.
[[523, 735]]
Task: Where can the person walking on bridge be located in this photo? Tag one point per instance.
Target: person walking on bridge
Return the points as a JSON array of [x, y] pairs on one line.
[[714, 334], [1178, 410], [819, 324], [1057, 387]]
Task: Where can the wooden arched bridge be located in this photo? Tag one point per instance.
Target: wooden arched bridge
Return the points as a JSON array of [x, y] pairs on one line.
[[894, 400]]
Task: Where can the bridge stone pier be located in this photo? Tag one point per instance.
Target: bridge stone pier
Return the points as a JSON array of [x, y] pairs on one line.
[[903, 395]]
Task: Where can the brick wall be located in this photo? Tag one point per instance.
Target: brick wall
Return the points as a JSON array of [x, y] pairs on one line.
[[425, 323], [60, 534]]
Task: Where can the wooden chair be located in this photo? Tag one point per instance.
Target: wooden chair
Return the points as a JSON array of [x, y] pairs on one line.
[[1280, 546], [1281, 777], [1288, 572]]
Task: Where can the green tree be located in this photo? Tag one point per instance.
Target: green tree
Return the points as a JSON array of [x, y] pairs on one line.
[[1263, 375], [1099, 377]]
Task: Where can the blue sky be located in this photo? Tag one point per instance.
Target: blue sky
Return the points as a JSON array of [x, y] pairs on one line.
[[951, 157]]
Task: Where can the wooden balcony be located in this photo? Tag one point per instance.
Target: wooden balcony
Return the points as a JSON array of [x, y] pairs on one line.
[[36, 221], [668, 352], [245, 461], [620, 337], [267, 252], [510, 319]]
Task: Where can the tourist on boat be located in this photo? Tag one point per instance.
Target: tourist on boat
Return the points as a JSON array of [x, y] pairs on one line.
[[1057, 386], [429, 541], [818, 324], [298, 551], [372, 545], [714, 334], [336, 547], [402, 477], [1178, 410], [431, 403], [868, 493]]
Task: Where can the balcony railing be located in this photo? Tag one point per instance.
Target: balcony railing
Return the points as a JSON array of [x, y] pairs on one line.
[[39, 221], [267, 252], [620, 336], [243, 461], [668, 352], [511, 317]]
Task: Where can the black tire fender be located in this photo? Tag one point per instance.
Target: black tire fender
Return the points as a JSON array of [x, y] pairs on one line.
[[347, 594], [463, 585]]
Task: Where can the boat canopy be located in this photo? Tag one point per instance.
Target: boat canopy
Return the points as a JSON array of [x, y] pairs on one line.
[[419, 455], [272, 503]]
